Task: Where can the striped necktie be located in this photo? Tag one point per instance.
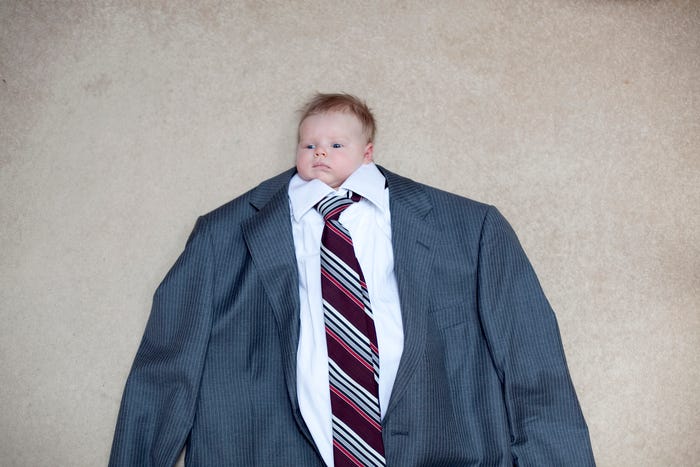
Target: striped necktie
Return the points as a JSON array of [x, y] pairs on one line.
[[353, 358]]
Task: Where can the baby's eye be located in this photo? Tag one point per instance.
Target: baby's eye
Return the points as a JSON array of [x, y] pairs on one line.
[[336, 145], [310, 146]]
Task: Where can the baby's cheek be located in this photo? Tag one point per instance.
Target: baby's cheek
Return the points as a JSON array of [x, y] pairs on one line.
[[303, 172]]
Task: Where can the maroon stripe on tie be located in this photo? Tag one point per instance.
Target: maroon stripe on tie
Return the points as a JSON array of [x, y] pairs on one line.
[[347, 455], [355, 408], [354, 392], [349, 350], [342, 289]]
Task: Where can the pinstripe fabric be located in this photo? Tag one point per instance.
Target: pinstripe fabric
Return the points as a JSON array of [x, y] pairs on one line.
[[482, 380], [353, 356]]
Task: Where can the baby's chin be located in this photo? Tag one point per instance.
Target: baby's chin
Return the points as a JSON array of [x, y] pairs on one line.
[[312, 174], [320, 178]]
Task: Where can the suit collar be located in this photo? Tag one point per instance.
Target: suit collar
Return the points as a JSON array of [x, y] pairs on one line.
[[264, 192], [407, 193]]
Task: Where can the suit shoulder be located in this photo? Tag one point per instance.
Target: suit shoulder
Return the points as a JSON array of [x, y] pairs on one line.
[[247, 204], [442, 197], [439, 198], [458, 212]]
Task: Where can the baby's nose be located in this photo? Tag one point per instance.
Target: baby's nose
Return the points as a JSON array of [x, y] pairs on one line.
[[320, 152]]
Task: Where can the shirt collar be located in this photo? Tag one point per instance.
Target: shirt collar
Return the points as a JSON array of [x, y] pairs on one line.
[[367, 181]]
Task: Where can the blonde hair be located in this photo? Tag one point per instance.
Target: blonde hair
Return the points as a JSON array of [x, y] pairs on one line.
[[341, 102]]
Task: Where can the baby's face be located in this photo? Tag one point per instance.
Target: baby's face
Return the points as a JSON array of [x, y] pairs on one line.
[[331, 147]]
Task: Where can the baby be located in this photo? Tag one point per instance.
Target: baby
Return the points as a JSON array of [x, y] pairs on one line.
[[340, 314]]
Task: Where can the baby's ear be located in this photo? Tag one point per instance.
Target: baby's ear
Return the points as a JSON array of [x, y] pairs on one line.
[[369, 153]]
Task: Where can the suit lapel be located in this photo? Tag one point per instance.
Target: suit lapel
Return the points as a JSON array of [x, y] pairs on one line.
[[269, 238], [268, 235], [413, 235]]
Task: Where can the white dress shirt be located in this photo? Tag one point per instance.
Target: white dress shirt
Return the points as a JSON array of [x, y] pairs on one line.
[[369, 224]]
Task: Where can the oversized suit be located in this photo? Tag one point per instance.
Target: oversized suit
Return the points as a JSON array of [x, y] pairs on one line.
[[482, 379]]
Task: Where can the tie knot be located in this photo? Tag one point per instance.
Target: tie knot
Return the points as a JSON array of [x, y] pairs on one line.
[[332, 205]]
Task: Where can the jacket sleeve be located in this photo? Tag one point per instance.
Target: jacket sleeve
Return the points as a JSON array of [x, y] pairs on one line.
[[158, 405], [546, 424]]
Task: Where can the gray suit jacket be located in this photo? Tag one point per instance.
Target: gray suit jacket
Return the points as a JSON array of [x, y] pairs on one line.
[[482, 379]]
